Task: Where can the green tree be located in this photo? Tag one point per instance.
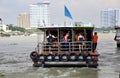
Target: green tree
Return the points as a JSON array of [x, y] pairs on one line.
[[16, 28], [1, 30]]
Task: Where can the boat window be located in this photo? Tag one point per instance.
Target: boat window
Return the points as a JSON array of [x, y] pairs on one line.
[[87, 34], [53, 32], [77, 33], [63, 33]]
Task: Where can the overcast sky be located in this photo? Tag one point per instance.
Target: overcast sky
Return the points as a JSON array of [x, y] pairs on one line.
[[81, 10]]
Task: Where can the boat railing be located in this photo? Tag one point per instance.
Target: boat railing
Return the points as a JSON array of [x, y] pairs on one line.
[[64, 46]]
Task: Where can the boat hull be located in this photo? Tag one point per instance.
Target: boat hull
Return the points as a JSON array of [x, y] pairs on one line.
[[66, 60]]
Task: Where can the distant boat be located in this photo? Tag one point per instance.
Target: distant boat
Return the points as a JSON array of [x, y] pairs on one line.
[[106, 31], [34, 34], [113, 31], [4, 35], [117, 36]]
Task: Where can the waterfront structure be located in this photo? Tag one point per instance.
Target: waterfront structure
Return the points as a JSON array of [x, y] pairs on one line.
[[39, 14], [2, 26], [23, 20], [109, 18]]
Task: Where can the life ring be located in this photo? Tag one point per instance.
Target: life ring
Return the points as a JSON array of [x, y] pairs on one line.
[[56, 57], [49, 57], [73, 57], [64, 57], [34, 56], [42, 57]]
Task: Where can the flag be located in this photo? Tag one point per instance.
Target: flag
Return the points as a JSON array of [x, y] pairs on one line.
[[67, 13]]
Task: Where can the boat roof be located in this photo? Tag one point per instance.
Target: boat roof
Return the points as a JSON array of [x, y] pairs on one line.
[[47, 27]]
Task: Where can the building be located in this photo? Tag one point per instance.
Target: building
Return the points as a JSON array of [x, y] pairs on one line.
[[2, 26], [109, 18], [39, 14], [23, 20]]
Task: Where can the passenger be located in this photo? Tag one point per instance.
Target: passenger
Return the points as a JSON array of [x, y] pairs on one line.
[[66, 39], [81, 41], [50, 39], [95, 40]]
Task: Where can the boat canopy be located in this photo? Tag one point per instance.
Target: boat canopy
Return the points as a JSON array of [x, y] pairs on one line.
[[68, 26], [60, 31]]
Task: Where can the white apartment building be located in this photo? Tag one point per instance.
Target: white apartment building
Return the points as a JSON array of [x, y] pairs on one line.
[[39, 14], [110, 17]]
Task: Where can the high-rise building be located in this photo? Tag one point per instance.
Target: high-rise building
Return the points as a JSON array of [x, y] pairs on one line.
[[39, 14], [23, 20], [109, 18]]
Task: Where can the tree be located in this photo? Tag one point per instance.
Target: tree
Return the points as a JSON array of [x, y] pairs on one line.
[[1, 30], [16, 28]]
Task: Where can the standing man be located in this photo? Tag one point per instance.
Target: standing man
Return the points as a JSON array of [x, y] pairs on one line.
[[81, 40], [50, 39], [95, 40]]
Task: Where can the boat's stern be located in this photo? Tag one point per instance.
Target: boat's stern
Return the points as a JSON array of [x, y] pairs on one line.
[[61, 57]]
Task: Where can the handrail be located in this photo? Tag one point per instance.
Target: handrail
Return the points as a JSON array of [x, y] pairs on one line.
[[64, 46]]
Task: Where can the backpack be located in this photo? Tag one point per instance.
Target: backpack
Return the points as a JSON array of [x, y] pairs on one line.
[[80, 40], [51, 39]]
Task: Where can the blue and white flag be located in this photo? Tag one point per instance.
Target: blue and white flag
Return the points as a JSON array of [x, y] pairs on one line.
[[67, 13]]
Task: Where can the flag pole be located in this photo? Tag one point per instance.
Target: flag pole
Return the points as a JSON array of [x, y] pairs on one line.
[[65, 18], [67, 14]]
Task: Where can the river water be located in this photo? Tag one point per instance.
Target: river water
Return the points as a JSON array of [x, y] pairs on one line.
[[16, 63]]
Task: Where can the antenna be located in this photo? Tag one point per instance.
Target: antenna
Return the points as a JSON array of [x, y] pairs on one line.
[[44, 23]]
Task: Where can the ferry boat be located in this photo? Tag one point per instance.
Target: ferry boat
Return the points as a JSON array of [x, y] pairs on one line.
[[58, 54], [117, 36]]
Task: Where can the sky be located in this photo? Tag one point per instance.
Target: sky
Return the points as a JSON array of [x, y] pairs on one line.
[[86, 11]]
